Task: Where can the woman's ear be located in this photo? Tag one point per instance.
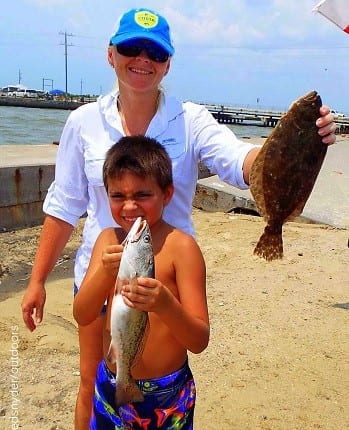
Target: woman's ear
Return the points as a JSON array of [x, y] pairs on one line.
[[168, 65], [110, 56]]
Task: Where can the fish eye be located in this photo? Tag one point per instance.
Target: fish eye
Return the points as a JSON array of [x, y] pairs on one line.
[[147, 238]]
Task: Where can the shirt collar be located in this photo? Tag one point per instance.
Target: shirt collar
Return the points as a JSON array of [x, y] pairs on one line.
[[169, 109]]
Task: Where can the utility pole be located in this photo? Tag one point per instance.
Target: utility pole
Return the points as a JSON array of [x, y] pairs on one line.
[[44, 83], [66, 35], [19, 76]]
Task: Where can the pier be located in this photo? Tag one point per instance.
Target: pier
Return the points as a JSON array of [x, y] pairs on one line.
[[259, 117], [224, 114], [239, 115]]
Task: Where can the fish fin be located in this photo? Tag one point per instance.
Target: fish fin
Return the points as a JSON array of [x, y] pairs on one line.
[[270, 245], [118, 286], [297, 210], [142, 342], [111, 356], [127, 393], [133, 281]]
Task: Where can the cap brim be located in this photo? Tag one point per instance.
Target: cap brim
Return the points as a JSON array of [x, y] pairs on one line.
[[115, 40]]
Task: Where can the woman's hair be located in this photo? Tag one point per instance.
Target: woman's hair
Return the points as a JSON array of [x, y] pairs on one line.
[[141, 155]]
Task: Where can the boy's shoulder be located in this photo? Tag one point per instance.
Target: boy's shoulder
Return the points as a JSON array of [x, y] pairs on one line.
[[180, 247], [113, 235], [178, 237]]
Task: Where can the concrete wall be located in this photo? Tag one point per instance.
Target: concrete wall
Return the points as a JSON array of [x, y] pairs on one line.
[[22, 192]]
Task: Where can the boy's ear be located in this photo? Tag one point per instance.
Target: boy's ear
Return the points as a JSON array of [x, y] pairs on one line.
[[168, 193]]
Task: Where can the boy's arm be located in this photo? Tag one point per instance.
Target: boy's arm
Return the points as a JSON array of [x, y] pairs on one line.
[[99, 279], [187, 316]]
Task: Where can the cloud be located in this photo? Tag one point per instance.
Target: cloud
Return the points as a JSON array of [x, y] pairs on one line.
[[244, 22]]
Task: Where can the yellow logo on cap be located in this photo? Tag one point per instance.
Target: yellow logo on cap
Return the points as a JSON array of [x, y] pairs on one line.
[[146, 19]]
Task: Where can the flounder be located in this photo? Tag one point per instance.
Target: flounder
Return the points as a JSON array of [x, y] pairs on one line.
[[285, 170]]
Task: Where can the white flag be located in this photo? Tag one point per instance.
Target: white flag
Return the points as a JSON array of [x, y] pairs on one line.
[[336, 11]]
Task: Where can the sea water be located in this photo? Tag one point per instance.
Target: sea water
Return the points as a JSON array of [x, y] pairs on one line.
[[32, 126]]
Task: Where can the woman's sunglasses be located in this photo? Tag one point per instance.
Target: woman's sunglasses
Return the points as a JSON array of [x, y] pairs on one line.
[[134, 48]]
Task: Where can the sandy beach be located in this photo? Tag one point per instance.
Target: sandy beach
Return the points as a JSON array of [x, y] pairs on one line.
[[278, 357]]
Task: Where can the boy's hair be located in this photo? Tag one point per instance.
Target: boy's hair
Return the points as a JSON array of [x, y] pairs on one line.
[[140, 155]]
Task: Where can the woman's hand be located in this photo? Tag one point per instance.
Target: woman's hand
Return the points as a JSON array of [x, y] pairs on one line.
[[33, 305], [327, 126]]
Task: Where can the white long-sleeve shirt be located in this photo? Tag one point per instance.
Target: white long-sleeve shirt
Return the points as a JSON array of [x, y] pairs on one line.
[[188, 132]]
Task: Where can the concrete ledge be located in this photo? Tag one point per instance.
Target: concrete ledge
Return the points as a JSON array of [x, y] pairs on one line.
[[21, 216], [26, 172], [214, 195], [22, 192]]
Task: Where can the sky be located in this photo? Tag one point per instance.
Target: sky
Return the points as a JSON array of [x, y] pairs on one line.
[[252, 53]]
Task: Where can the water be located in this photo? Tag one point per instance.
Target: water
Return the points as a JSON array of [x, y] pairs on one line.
[[30, 126], [248, 130]]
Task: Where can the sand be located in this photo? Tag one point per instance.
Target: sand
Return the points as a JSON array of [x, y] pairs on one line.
[[278, 356]]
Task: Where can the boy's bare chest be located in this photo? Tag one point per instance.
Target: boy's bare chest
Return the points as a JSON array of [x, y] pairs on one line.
[[165, 272]]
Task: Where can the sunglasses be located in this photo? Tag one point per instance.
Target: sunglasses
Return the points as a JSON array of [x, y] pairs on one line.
[[133, 49]]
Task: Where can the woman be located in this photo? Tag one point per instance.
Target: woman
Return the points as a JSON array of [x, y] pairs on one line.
[[140, 52]]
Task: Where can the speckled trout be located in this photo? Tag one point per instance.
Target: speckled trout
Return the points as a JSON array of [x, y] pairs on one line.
[[128, 325]]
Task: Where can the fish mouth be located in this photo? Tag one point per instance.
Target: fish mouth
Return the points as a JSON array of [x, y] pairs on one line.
[[311, 97], [136, 230]]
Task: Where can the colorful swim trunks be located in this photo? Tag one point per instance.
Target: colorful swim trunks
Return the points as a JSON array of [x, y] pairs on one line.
[[168, 403]]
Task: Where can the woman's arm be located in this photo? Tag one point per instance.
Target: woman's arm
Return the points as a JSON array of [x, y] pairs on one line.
[[54, 236]]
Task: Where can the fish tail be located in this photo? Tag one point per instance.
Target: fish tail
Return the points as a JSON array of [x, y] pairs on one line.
[[128, 392], [270, 245]]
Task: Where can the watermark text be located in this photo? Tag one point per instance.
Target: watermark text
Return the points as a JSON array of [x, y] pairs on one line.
[[14, 378]]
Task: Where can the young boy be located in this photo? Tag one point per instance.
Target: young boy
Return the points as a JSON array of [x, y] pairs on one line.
[[137, 175]]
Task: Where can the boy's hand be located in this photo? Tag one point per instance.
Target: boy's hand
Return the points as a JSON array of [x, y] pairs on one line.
[[148, 295], [111, 257]]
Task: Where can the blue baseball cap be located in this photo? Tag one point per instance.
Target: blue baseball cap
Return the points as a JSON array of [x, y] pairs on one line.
[[143, 24]]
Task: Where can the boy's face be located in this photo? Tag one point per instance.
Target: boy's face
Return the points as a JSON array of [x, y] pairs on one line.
[[132, 196]]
